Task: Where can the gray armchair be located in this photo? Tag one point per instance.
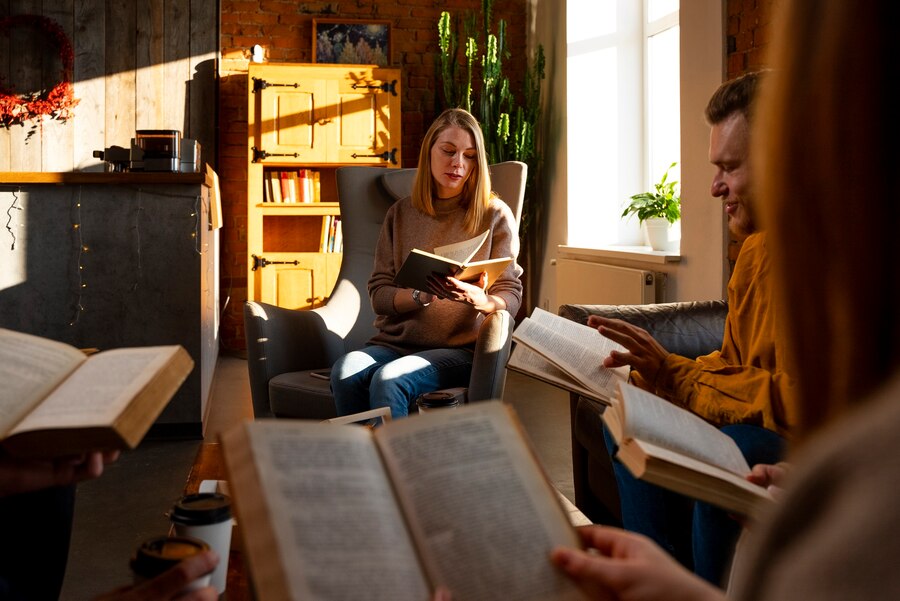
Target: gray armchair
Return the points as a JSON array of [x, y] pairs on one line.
[[284, 346], [690, 329]]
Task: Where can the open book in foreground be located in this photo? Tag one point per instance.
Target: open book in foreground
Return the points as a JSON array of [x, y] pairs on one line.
[[56, 401], [566, 354], [453, 498], [451, 260], [671, 447]]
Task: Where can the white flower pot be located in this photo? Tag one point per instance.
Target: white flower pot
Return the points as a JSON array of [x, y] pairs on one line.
[[657, 230]]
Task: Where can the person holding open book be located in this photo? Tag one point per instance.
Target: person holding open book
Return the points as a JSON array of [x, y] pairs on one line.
[[744, 388], [825, 151], [425, 337]]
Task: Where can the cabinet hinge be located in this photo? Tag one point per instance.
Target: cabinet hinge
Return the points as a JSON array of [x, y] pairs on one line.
[[385, 87], [259, 154], [260, 262], [384, 156], [260, 84]]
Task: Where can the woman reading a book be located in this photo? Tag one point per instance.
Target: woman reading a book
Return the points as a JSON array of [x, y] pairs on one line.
[[425, 337], [826, 146]]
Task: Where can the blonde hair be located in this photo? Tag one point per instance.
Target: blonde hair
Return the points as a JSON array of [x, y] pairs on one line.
[[477, 188], [826, 151]]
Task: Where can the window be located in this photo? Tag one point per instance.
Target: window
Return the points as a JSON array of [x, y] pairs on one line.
[[623, 111]]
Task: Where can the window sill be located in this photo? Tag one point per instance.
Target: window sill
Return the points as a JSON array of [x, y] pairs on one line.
[[643, 254]]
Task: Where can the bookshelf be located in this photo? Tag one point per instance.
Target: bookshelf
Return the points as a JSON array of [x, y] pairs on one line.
[[304, 122]]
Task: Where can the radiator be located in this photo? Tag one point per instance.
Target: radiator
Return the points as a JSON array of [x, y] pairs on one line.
[[588, 283]]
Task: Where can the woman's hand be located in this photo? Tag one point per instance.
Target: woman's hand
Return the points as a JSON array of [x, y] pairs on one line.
[[28, 475], [171, 584], [771, 477], [628, 567], [472, 293]]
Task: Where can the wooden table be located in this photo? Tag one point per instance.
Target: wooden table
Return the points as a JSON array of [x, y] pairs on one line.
[[210, 465]]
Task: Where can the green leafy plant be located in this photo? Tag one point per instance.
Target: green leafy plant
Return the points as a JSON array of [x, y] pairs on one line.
[[664, 201], [509, 126]]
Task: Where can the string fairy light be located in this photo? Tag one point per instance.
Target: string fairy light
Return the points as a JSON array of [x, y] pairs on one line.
[[79, 266], [9, 219]]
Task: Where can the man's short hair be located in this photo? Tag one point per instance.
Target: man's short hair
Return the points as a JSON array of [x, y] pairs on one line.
[[735, 95]]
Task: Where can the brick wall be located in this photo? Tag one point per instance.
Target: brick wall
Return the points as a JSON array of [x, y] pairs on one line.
[[284, 29], [748, 30]]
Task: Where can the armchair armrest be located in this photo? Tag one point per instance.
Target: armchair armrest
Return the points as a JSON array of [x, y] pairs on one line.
[[281, 340], [690, 329], [492, 349]]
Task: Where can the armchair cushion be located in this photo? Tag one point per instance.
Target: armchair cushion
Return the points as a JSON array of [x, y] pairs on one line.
[[690, 329]]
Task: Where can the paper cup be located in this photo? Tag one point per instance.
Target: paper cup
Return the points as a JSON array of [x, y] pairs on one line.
[[206, 516]]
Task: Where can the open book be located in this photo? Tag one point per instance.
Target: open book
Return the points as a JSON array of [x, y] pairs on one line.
[[56, 401], [671, 447], [451, 498], [451, 260], [566, 354]]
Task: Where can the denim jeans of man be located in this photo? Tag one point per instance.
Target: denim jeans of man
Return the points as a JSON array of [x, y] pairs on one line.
[[700, 536], [376, 376]]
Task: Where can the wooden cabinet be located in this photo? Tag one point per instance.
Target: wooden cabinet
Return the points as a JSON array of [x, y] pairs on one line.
[[313, 117]]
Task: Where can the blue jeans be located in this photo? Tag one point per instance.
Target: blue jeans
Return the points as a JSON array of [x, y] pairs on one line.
[[700, 536], [377, 376]]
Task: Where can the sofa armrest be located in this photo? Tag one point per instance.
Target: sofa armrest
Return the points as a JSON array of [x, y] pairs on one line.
[[281, 340], [689, 329]]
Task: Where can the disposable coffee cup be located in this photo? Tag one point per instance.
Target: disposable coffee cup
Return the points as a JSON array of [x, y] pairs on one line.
[[206, 516], [156, 555], [432, 401]]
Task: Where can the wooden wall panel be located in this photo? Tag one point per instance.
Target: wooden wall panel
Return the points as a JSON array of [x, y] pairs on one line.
[[177, 63], [90, 86], [138, 65], [150, 72], [4, 80], [25, 75], [204, 36], [57, 156]]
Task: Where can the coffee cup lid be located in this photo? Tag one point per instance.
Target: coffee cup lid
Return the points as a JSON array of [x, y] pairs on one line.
[[201, 508], [158, 554]]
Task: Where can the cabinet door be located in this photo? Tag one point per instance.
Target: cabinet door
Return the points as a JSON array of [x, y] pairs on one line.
[[292, 286], [368, 118], [292, 120]]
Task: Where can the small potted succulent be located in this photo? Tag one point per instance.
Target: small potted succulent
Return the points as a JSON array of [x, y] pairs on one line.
[[657, 210]]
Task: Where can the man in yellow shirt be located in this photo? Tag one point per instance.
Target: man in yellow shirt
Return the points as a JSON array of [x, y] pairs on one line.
[[743, 387]]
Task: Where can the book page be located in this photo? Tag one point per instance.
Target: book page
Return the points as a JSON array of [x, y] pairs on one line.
[[97, 392], [524, 360], [338, 528], [461, 252], [493, 267], [576, 349], [30, 367], [478, 504], [693, 478], [650, 418]]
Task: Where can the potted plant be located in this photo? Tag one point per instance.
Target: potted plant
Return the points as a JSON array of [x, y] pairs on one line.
[[657, 210]]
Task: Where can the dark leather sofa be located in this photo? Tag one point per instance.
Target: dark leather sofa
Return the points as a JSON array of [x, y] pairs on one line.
[[690, 329]]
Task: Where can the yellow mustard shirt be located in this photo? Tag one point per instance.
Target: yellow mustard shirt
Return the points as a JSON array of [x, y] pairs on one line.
[[745, 382]]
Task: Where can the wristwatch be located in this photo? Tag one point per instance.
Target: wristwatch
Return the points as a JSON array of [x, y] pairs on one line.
[[416, 298]]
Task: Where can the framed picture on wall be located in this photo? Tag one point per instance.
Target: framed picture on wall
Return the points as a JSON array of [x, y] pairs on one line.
[[348, 41]]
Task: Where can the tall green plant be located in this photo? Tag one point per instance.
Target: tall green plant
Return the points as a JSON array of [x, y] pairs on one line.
[[509, 124]]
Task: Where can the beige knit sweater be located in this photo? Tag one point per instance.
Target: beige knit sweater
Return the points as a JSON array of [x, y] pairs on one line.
[[444, 323]]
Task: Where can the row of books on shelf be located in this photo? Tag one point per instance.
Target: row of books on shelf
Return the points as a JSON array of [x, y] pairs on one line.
[[293, 186], [332, 235]]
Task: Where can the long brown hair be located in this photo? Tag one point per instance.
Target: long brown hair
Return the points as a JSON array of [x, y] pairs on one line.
[[826, 154], [476, 190]]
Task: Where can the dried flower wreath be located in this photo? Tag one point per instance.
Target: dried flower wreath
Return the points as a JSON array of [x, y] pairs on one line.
[[57, 103]]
